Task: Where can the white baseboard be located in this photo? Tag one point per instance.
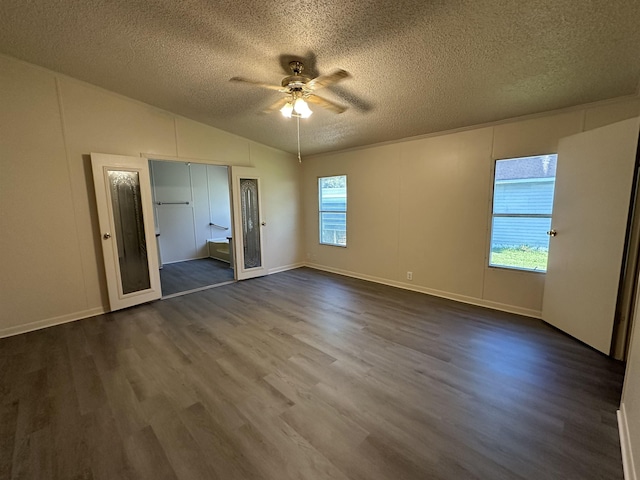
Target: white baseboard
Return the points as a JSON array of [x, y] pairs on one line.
[[625, 445], [285, 268], [185, 260], [15, 330], [72, 317], [50, 322], [527, 312]]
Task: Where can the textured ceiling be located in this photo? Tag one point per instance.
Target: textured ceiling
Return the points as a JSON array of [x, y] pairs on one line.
[[417, 66]]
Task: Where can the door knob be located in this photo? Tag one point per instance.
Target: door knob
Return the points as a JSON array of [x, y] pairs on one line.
[[106, 236], [264, 224], [552, 233]]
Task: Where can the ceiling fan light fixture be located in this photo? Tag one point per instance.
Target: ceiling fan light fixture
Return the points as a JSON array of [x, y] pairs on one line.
[[287, 110], [296, 88], [302, 108]]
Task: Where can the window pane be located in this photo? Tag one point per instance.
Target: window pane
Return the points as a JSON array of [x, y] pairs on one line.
[[525, 185], [522, 206], [333, 228], [520, 242], [332, 210], [333, 193]]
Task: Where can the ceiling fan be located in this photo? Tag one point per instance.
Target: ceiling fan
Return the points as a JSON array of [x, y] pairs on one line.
[[300, 90]]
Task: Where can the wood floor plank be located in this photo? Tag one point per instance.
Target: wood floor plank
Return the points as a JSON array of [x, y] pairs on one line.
[[105, 446], [34, 414], [71, 459], [124, 405], [218, 393], [332, 434], [88, 386], [170, 379], [33, 457], [147, 456], [8, 425], [307, 375], [272, 441], [183, 452], [221, 450]]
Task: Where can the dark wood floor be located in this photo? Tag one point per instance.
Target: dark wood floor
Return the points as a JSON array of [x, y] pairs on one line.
[[191, 274], [306, 375]]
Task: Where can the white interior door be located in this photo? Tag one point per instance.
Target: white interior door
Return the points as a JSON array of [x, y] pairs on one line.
[[248, 234], [590, 209], [125, 212]]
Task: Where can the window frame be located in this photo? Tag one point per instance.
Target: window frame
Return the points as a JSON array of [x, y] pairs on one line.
[[493, 215], [320, 211]]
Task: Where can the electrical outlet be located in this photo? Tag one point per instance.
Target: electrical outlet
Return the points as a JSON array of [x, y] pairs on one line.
[[409, 275]]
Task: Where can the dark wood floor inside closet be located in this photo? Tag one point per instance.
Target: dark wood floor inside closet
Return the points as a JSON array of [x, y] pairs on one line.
[[306, 375], [191, 274]]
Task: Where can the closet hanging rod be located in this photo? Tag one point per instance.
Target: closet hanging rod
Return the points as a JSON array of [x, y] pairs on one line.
[[218, 226], [172, 203]]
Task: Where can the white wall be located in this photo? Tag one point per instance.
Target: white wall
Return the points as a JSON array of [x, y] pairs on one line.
[[172, 186], [219, 201], [424, 205], [187, 198], [434, 215], [49, 237]]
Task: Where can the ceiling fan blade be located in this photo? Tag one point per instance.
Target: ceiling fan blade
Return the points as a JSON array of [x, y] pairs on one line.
[[253, 82], [276, 105], [324, 103], [329, 79]]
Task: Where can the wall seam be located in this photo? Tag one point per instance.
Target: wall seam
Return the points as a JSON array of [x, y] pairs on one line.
[[193, 209], [206, 175], [175, 134], [63, 128], [403, 157], [487, 236]]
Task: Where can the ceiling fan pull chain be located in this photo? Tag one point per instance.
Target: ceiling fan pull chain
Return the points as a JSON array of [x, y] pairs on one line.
[[298, 122]]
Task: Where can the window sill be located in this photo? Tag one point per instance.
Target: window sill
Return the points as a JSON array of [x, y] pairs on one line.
[[516, 269], [332, 245]]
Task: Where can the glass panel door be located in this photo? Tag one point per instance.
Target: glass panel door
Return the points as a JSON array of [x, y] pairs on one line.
[[127, 233], [249, 224]]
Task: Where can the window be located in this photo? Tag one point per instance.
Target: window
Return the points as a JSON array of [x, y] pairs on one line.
[[332, 207], [522, 206]]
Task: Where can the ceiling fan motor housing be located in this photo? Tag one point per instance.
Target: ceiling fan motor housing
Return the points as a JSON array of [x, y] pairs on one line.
[[297, 81], [299, 86]]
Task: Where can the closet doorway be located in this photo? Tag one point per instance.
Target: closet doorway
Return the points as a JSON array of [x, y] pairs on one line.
[[193, 225]]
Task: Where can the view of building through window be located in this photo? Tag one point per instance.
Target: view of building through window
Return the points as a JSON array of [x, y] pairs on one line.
[[332, 206], [522, 206]]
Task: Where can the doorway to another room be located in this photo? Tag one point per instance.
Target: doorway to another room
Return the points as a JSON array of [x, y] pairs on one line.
[[192, 213]]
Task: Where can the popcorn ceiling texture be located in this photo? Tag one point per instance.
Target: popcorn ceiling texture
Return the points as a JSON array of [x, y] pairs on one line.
[[418, 66]]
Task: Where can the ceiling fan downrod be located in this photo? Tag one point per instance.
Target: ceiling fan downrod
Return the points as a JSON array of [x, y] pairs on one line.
[[296, 67], [298, 122]]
